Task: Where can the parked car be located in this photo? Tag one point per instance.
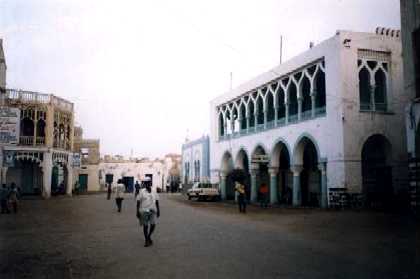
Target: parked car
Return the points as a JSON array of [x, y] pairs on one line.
[[204, 191]]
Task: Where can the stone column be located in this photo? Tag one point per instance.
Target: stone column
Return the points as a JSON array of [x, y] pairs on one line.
[[286, 118], [313, 103], [223, 185], [372, 97], [247, 124], [69, 187], [47, 173], [225, 128], [265, 119], [276, 116], [255, 119], [232, 125], [324, 191], [300, 100], [254, 171], [297, 194], [273, 185], [3, 175]]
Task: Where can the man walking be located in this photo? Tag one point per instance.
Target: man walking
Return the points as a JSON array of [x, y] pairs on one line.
[[109, 190], [264, 195], [137, 187], [240, 188], [147, 212], [119, 194], [13, 197]]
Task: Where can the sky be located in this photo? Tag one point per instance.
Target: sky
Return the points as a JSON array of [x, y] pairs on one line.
[[142, 73]]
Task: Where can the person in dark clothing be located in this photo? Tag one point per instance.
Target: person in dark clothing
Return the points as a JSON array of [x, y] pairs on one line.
[[4, 195], [109, 192], [240, 189], [137, 188], [13, 197]]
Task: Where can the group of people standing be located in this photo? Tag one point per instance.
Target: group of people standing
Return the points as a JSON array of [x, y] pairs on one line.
[[9, 198], [147, 205], [242, 198]]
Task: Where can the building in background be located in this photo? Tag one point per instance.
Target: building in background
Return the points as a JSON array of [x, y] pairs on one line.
[[86, 171], [36, 139], [160, 171], [323, 126], [410, 33], [196, 161]]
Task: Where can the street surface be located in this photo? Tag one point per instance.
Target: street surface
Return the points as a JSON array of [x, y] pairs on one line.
[[85, 237]]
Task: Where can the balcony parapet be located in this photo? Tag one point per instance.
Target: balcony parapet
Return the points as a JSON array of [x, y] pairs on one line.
[[17, 96]]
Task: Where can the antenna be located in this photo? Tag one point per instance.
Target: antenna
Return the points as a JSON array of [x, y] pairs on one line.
[[281, 48]]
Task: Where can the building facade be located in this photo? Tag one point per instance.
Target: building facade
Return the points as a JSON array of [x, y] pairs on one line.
[[410, 33], [196, 160], [36, 139], [87, 173], [329, 120]]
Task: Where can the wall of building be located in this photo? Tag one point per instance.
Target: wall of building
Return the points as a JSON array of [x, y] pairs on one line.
[[196, 150], [359, 126]]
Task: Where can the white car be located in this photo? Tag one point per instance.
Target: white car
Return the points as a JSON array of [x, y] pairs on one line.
[[203, 191]]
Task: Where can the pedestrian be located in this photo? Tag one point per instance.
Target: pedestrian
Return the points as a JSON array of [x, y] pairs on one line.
[[263, 195], [240, 189], [13, 197], [108, 197], [119, 194], [137, 187], [147, 211], [4, 195]]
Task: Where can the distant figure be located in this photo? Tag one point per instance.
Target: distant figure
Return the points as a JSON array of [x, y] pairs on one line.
[[264, 195], [76, 187], [240, 188], [108, 197], [13, 197], [147, 211], [4, 195], [119, 194], [137, 188]]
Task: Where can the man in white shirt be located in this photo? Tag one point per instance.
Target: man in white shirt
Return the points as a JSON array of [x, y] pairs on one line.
[[119, 194], [147, 211]]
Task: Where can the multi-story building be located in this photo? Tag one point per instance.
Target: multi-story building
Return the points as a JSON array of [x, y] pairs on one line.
[[196, 160], [36, 139], [410, 34], [330, 119], [87, 174]]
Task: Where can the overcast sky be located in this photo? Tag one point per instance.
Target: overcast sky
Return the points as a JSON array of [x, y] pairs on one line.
[[142, 73]]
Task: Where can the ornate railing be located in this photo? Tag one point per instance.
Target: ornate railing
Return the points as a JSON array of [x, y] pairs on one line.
[[306, 115], [23, 96], [25, 140]]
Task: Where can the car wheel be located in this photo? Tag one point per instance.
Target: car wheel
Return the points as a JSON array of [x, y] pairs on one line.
[[189, 197]]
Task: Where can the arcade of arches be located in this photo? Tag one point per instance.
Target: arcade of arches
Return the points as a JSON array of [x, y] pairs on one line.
[[299, 178], [39, 173]]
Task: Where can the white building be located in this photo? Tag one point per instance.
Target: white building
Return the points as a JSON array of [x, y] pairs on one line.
[[133, 170], [328, 120], [196, 160]]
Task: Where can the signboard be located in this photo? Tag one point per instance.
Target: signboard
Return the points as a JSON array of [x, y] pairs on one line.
[[9, 125], [76, 160], [260, 158]]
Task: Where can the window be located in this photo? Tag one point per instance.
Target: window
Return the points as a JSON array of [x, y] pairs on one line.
[[373, 83]]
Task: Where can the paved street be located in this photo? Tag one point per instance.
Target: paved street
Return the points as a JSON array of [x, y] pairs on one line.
[[84, 237]]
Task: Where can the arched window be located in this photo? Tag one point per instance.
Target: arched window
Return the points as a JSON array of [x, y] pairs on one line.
[[251, 111], [281, 108], [221, 125], [270, 107], [364, 89], [306, 98], [320, 99], [380, 90], [27, 127], [293, 103], [260, 111], [242, 112]]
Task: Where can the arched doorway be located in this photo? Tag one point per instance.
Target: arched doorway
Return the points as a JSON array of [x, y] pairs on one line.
[[259, 171], [242, 171], [308, 190], [27, 176], [283, 178], [59, 177], [226, 181], [377, 171]]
